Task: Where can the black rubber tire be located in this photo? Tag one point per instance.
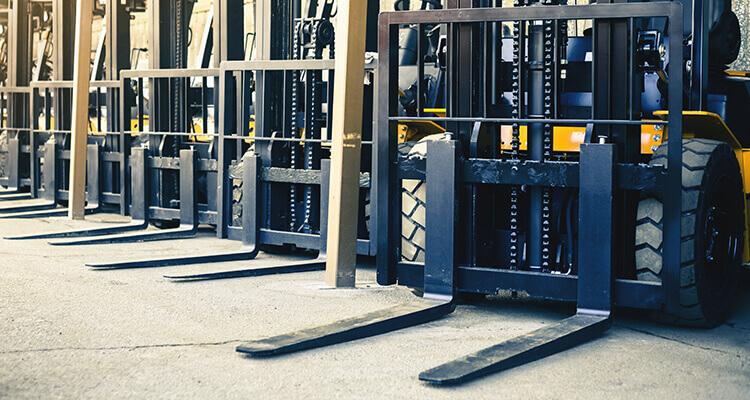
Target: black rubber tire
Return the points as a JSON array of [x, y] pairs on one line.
[[413, 220], [367, 211], [712, 218], [237, 202], [412, 214], [413, 209], [234, 176], [165, 224]]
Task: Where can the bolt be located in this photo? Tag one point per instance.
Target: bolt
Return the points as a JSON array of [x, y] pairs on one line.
[[657, 127], [656, 137], [654, 147]]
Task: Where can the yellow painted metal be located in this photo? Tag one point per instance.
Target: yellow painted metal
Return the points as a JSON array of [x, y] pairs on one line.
[[414, 130], [134, 124], [94, 129], [569, 138], [198, 130], [745, 167], [738, 73], [705, 125], [565, 138], [440, 112]]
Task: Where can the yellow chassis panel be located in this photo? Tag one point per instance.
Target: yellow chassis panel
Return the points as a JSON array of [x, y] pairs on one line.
[[569, 138]]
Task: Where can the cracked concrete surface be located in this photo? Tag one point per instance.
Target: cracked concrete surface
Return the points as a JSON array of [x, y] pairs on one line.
[[70, 332]]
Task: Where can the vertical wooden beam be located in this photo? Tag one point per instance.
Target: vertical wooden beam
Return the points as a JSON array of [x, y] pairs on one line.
[[343, 199], [84, 12]]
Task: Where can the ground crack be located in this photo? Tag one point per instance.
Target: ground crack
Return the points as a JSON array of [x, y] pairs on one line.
[[675, 340], [143, 346]]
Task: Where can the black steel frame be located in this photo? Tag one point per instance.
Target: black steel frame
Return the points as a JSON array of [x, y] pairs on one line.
[[273, 178], [12, 97], [233, 135], [597, 174], [140, 200], [596, 290], [555, 174]]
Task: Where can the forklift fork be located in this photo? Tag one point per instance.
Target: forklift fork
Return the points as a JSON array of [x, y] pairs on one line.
[[13, 183], [139, 210], [14, 195], [92, 192], [438, 299], [49, 197], [594, 281], [251, 229], [250, 237], [188, 208], [249, 247]]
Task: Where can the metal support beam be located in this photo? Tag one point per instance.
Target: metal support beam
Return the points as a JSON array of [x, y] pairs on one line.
[[117, 56], [19, 45], [346, 147], [77, 200]]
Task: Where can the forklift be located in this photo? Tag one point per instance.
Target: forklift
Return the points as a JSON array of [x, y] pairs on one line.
[[36, 102], [592, 154], [603, 166]]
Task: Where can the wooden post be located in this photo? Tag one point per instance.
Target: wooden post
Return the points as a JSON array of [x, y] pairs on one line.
[[343, 198], [84, 11]]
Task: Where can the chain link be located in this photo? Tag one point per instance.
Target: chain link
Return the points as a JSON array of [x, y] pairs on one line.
[[293, 126], [517, 63], [314, 128], [549, 94]]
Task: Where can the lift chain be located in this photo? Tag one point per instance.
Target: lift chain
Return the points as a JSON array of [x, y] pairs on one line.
[[549, 83], [314, 127], [178, 91], [562, 36], [293, 126], [516, 140]]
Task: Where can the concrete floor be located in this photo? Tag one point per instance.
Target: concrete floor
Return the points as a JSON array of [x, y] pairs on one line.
[[70, 332]]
